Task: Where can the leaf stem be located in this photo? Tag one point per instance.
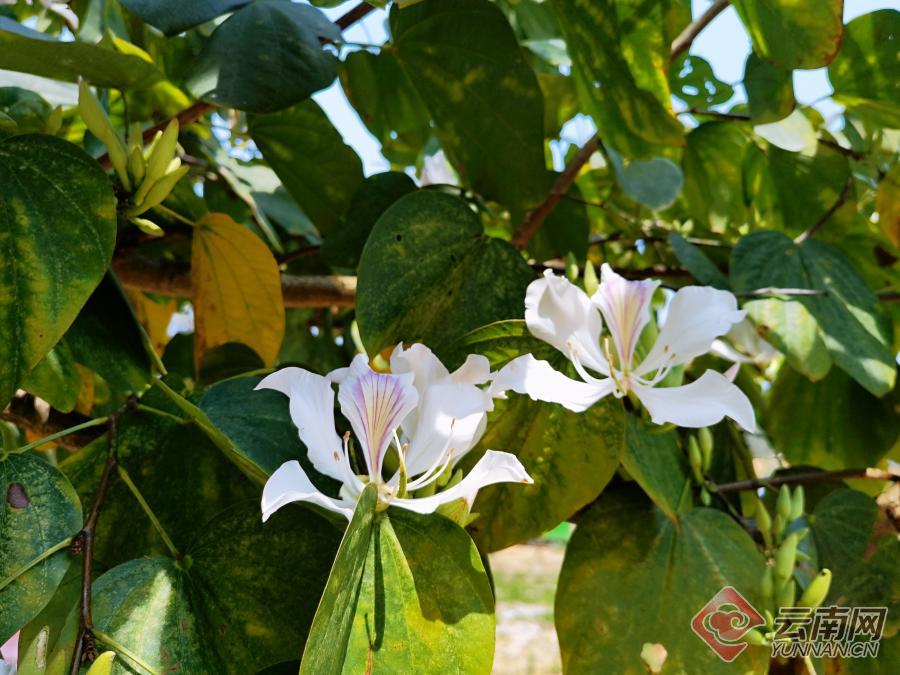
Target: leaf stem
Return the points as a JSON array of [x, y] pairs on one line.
[[119, 647], [34, 561], [123, 474], [59, 434], [174, 215]]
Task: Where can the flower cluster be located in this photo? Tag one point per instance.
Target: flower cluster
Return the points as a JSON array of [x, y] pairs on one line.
[[430, 418]]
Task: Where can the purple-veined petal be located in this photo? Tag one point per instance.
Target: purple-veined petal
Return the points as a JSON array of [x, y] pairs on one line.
[[527, 375], [376, 404], [493, 467], [451, 418], [626, 309], [701, 403], [697, 315], [289, 483], [312, 411], [561, 314], [358, 366]]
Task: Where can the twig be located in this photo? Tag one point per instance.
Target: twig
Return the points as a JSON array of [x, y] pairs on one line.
[[805, 478], [849, 152], [174, 280], [560, 187], [354, 15], [64, 432], [302, 252], [684, 40], [24, 411], [838, 203], [735, 117], [83, 543]]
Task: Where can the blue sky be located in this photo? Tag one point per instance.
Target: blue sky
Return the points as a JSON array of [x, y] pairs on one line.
[[724, 43]]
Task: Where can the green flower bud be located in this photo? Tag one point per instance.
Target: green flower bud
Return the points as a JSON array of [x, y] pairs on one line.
[[591, 284], [54, 120], [571, 268], [754, 636], [767, 586], [704, 435], [784, 503], [787, 594], [96, 120], [785, 557], [764, 523], [696, 459], [797, 503], [817, 590], [148, 227]]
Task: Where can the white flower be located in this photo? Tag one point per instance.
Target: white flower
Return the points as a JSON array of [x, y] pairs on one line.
[[7, 668], [563, 315], [427, 415], [61, 8]]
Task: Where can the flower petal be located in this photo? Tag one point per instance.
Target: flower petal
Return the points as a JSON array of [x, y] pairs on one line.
[[701, 403], [475, 370], [421, 362], [494, 467], [561, 314], [451, 418], [376, 404], [697, 315], [626, 308], [358, 366], [538, 379], [289, 483], [312, 411]]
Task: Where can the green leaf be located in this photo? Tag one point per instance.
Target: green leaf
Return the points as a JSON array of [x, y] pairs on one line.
[[182, 475], [107, 338], [463, 59], [28, 51], [242, 599], [833, 424], [228, 360], [570, 456], [407, 592], [794, 34], [693, 81], [842, 524], [56, 378], [789, 326], [620, 59], [58, 230], [25, 108], [713, 180], [428, 273], [46, 643], [866, 71], [852, 323], [388, 102], [173, 16], [770, 90], [654, 460], [311, 159], [655, 183], [235, 70], [701, 267], [631, 577], [258, 424], [38, 511], [373, 197]]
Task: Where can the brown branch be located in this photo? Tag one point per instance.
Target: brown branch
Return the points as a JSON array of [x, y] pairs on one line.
[[838, 203], [174, 280], [684, 40], [734, 117], [354, 15], [560, 187], [805, 479], [26, 412], [849, 152], [83, 543]]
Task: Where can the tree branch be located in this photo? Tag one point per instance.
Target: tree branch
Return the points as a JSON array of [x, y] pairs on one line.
[[805, 479], [838, 203], [83, 543], [684, 40], [175, 281], [560, 187], [27, 412]]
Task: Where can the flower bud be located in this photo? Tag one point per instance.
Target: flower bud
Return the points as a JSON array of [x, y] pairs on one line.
[[764, 523], [148, 227], [696, 459], [591, 284], [797, 503], [817, 590], [98, 123], [785, 557], [704, 435], [784, 503], [787, 594]]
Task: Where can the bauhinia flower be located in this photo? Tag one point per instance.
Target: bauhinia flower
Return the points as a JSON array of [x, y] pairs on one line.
[[426, 415], [563, 315]]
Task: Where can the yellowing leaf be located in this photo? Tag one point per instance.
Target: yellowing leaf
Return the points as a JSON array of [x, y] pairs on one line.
[[237, 289], [154, 317]]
